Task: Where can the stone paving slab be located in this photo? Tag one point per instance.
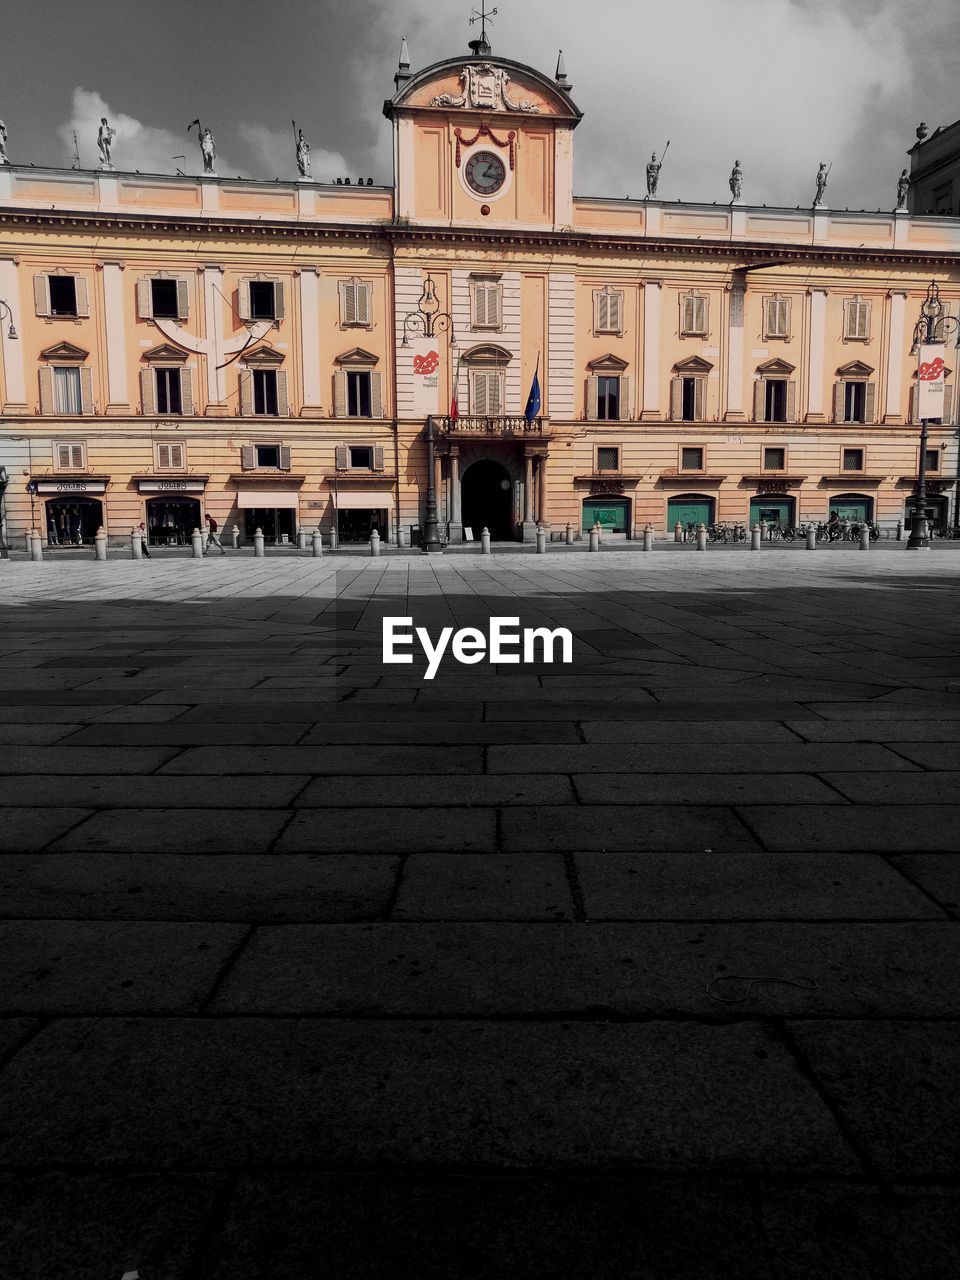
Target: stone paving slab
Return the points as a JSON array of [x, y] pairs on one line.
[[435, 886], [34, 827], [703, 788], [401, 830], [176, 830], [456, 789], [153, 791], [624, 827], [905, 828], [660, 1096]]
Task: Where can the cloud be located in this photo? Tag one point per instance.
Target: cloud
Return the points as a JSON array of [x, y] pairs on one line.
[[275, 153], [137, 145]]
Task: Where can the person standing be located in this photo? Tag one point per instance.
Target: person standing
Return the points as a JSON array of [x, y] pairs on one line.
[[213, 537], [142, 530]]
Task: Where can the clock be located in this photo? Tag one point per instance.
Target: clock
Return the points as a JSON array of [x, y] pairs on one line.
[[484, 173]]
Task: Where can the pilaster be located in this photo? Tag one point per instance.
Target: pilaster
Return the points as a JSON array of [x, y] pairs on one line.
[[651, 351], [118, 395], [735, 309], [818, 333], [14, 372]]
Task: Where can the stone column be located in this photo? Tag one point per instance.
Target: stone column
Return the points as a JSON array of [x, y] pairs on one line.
[[13, 348], [542, 490], [528, 528], [118, 399], [735, 352], [895, 410], [818, 333], [651, 351], [213, 304], [456, 515], [310, 342]]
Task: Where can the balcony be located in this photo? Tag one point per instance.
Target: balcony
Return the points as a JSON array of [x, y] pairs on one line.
[[472, 425]]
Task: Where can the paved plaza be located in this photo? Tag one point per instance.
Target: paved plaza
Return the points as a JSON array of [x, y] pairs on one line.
[[646, 966]]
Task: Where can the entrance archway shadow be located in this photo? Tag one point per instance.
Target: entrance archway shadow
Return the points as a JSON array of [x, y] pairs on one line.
[[487, 499]]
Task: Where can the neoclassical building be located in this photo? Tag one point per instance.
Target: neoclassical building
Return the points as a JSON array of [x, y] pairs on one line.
[[270, 352]]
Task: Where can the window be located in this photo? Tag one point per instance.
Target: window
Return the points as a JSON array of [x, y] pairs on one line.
[[933, 460], [63, 296], [170, 457], [486, 299], [169, 398], [776, 317], [608, 311], [260, 299], [774, 459], [608, 457], [361, 456], [70, 457], [689, 398], [853, 460], [693, 318], [355, 303], [267, 455], [854, 401], [691, 458], [856, 319], [59, 295], [775, 400], [66, 389], [608, 398], [163, 299], [358, 394], [486, 392], [265, 392]]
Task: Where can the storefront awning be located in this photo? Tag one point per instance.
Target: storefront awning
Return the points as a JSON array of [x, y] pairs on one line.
[[267, 498], [376, 499]]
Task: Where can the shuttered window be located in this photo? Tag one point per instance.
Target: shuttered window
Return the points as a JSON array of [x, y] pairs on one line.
[[70, 457], [608, 399], [774, 399], [486, 392], [170, 457], [608, 311], [486, 299], [67, 391], [265, 392], [856, 325], [168, 391], [776, 317], [260, 299], [356, 304], [694, 314]]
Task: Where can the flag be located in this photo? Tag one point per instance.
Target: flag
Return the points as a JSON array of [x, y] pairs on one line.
[[533, 399], [454, 401]]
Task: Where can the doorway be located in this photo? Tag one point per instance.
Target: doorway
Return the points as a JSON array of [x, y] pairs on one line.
[[935, 508], [774, 508], [487, 499], [277, 524], [171, 521], [851, 506], [612, 514], [73, 523], [691, 509]]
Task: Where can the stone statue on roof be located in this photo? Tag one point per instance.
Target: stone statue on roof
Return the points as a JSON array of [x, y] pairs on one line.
[[903, 186], [105, 137], [736, 181], [4, 158], [303, 155]]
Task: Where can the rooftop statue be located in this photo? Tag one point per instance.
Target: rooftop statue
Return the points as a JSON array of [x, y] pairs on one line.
[[653, 170], [736, 181], [903, 186], [4, 158], [303, 156], [105, 137], [208, 148], [822, 174]]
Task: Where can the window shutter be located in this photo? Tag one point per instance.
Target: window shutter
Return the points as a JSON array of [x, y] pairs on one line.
[[759, 396], [283, 401], [839, 393], [41, 295], [183, 300], [364, 303], [348, 303], [186, 391], [63, 457], [479, 404], [791, 401], [687, 320], [341, 457], [340, 394], [243, 297], [699, 388], [676, 399], [376, 395], [593, 396], [148, 392], [494, 300], [86, 389], [601, 311], [145, 299], [701, 315], [46, 387], [284, 457], [246, 392], [615, 304], [83, 295], [947, 406], [378, 457], [870, 403], [626, 399], [278, 302]]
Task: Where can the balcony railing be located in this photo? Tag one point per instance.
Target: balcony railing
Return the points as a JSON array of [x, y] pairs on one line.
[[473, 425]]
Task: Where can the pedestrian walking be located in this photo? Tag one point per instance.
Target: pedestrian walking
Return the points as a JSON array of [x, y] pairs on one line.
[[213, 537], [142, 530]]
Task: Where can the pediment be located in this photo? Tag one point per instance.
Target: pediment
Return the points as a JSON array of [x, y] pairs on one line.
[[263, 358], [357, 356], [64, 351], [487, 353], [855, 369], [609, 363], [165, 351], [693, 365], [775, 368], [499, 86]]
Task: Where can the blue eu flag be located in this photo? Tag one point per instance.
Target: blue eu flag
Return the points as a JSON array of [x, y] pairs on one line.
[[533, 399]]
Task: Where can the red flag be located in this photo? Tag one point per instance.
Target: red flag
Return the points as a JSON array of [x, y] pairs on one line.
[[454, 402]]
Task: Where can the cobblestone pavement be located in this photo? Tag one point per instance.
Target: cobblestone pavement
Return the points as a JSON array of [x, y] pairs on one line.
[[646, 966]]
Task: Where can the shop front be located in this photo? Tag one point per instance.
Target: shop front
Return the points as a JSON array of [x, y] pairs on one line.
[[273, 510], [171, 508], [361, 510], [851, 506], [72, 509], [774, 508], [610, 513], [691, 510]]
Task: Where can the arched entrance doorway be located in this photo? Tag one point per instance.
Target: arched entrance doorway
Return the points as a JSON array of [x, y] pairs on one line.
[[691, 510], [73, 522], [486, 495], [775, 508], [851, 506], [611, 514], [936, 509], [171, 521]]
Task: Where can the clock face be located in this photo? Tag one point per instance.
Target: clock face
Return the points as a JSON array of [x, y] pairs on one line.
[[484, 173]]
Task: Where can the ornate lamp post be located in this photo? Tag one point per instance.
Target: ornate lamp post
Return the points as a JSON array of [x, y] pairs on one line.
[[427, 321], [932, 316], [5, 310]]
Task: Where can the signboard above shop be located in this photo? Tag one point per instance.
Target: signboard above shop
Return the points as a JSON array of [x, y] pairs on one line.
[[170, 484], [76, 485]]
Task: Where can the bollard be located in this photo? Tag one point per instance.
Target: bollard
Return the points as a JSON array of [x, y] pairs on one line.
[[596, 525], [236, 537], [136, 546], [100, 544], [541, 542], [899, 530], [594, 539], [702, 538], [755, 538], [865, 537], [678, 532], [811, 537], [258, 543], [648, 537], [568, 534], [317, 542], [763, 530], [401, 537], [302, 540], [333, 538], [374, 543], [196, 542], [36, 545], [28, 542], [484, 542]]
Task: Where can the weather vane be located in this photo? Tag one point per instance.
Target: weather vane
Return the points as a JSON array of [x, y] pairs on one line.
[[483, 18]]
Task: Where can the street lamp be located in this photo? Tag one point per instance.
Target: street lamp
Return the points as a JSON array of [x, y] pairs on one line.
[[426, 322], [5, 308], [932, 316]]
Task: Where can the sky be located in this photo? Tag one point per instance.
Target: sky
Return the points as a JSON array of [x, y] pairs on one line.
[[777, 84]]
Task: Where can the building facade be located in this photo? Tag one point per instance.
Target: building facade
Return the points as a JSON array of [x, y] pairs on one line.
[[178, 346]]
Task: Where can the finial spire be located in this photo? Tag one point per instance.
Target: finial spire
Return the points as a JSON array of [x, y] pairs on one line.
[[561, 74], [403, 66]]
